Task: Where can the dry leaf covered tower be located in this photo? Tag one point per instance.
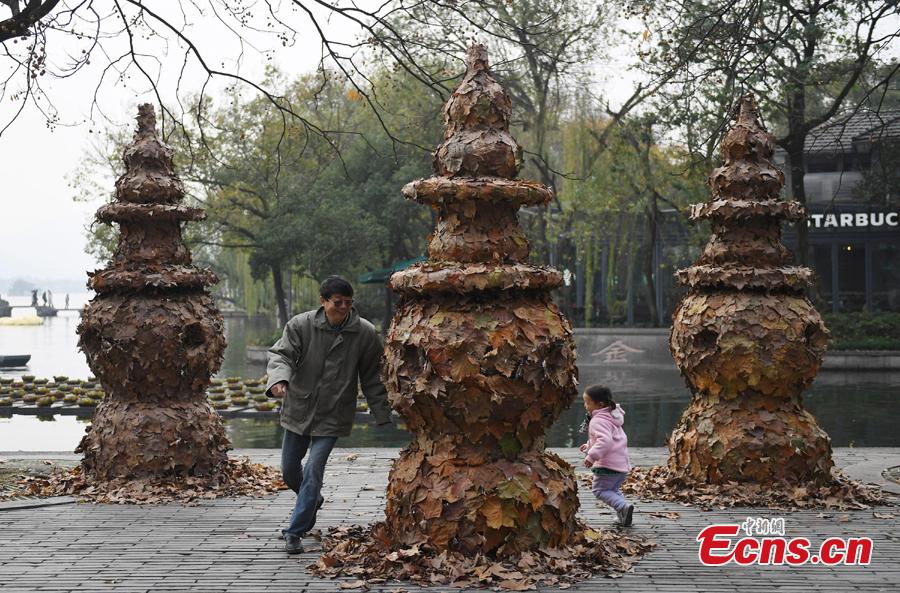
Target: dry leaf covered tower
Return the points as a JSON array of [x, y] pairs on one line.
[[152, 335], [745, 337], [479, 361]]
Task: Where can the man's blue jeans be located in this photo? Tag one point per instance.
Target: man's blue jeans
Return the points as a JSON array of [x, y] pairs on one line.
[[305, 480]]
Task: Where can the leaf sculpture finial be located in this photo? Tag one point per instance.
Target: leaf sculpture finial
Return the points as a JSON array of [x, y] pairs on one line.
[[146, 118], [745, 250], [477, 141]]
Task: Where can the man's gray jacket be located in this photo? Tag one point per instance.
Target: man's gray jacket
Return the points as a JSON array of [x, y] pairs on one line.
[[322, 365]]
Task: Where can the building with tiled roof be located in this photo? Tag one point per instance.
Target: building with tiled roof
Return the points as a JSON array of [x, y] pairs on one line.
[[857, 132], [855, 242]]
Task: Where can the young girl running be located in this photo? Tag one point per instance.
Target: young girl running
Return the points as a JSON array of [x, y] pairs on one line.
[[607, 450]]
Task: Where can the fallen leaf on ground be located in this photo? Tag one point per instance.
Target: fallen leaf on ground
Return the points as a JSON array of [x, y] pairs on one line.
[[238, 477], [656, 483], [364, 551], [674, 516]]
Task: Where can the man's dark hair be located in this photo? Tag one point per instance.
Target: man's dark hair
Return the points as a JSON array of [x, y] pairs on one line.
[[600, 394], [335, 285]]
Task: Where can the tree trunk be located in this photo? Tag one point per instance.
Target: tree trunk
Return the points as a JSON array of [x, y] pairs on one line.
[[629, 280], [388, 307], [649, 261], [589, 283], [797, 166], [278, 281], [609, 284], [794, 144]]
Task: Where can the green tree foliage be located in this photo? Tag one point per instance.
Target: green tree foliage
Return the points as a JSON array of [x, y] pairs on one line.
[[806, 61], [291, 200], [880, 184], [315, 204], [285, 204], [628, 187]]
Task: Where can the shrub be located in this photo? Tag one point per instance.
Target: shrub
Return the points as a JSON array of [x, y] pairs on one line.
[[863, 331]]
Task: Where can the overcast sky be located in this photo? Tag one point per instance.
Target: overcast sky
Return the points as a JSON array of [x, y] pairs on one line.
[[42, 229]]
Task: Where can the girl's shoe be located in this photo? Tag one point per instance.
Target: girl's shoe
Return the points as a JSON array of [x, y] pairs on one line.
[[625, 515]]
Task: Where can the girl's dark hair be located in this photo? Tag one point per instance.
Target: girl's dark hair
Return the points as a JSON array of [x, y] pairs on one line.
[[600, 394], [335, 285]]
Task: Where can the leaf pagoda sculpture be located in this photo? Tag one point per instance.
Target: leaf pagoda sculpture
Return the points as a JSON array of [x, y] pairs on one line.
[[745, 337], [479, 361], [153, 335]]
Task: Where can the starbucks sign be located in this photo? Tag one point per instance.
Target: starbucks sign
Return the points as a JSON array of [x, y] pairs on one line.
[[843, 220]]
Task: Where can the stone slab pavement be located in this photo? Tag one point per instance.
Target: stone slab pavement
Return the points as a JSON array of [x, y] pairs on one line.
[[231, 544]]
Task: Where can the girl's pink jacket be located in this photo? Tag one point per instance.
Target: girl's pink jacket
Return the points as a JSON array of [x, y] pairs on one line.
[[607, 444]]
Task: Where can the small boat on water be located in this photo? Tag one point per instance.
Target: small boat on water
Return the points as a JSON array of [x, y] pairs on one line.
[[14, 360]]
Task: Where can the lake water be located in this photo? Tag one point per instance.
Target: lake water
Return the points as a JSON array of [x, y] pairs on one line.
[[856, 409]]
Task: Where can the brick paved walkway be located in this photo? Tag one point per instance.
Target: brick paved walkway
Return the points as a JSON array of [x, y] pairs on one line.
[[232, 545]]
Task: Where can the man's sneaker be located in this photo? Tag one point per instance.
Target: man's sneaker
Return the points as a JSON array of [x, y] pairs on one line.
[[293, 544], [319, 504], [625, 515]]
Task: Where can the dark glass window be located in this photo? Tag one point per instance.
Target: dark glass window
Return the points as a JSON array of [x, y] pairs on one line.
[[821, 163], [886, 277], [857, 161], [852, 276], [821, 264]]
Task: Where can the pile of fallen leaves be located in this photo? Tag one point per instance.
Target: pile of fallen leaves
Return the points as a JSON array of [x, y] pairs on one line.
[[364, 553], [239, 477], [656, 483]]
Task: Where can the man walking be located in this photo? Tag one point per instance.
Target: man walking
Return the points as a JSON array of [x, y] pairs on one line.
[[315, 367]]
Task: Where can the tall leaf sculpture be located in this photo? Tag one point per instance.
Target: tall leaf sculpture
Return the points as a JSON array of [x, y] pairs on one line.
[[152, 335], [745, 337], [479, 361]]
